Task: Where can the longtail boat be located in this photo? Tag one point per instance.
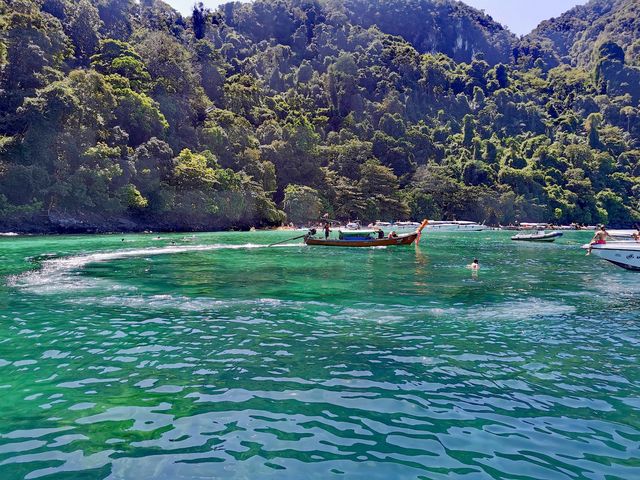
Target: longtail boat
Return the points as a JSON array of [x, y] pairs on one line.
[[365, 238]]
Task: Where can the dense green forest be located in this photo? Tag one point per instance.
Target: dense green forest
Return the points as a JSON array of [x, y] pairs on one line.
[[572, 37], [123, 115]]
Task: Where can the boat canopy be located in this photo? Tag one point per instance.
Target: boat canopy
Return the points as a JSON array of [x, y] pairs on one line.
[[406, 224], [533, 225], [356, 233], [452, 222]]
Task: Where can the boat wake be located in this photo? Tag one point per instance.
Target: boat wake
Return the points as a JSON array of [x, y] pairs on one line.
[[63, 273]]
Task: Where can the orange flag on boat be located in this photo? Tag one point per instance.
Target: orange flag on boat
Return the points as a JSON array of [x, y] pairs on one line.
[[422, 225]]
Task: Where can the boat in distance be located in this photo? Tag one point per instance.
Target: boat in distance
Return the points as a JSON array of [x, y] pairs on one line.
[[435, 226], [455, 226], [365, 238], [537, 237], [623, 235], [622, 254]]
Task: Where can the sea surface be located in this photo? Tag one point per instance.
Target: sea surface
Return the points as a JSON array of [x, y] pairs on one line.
[[213, 356]]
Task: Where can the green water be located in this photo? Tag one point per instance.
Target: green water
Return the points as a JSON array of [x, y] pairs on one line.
[[219, 358]]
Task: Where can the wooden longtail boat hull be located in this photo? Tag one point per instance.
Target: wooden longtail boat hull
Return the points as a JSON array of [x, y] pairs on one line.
[[379, 242], [405, 239]]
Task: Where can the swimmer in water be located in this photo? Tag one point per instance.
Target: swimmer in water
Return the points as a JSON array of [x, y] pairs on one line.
[[474, 265]]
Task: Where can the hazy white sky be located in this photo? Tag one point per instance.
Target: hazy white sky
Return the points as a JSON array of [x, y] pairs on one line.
[[186, 6], [521, 16]]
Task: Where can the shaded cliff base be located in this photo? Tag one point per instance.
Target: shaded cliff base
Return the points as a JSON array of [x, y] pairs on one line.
[[63, 223]]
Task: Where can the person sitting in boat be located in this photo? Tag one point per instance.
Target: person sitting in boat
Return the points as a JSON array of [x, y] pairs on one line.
[[600, 238], [327, 230], [380, 233], [393, 234]]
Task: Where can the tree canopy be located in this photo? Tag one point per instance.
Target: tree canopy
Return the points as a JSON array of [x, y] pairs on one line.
[[123, 114]]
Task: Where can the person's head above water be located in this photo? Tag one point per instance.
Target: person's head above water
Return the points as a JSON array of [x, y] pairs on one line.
[[475, 260]]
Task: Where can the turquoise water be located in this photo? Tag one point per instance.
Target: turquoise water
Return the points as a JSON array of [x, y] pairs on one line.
[[219, 358]]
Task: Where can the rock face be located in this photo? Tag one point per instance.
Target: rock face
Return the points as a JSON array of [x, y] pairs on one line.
[[573, 37], [448, 27], [430, 26], [68, 223]]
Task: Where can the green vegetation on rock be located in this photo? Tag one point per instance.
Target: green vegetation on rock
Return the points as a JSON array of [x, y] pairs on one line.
[[123, 115]]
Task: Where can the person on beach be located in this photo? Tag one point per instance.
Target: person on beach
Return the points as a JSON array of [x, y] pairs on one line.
[[600, 238], [636, 234]]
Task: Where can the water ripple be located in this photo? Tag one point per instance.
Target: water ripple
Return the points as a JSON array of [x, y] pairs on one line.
[[240, 362]]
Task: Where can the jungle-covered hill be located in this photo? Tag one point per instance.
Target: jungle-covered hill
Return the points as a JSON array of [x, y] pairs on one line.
[[573, 37], [123, 115]]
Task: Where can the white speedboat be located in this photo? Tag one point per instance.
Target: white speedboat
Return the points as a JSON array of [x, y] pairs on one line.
[[533, 226], [402, 227], [383, 225], [623, 235], [455, 226], [622, 254]]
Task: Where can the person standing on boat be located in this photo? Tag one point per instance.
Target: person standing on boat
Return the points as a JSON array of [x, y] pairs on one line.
[[600, 238], [327, 230]]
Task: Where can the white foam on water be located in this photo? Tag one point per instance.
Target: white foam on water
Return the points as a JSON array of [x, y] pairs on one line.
[[520, 310], [514, 310], [177, 302], [61, 274]]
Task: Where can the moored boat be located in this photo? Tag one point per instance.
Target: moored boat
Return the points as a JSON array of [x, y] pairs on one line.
[[352, 226], [455, 226], [405, 226], [365, 238], [383, 225], [533, 226], [537, 237], [623, 235], [622, 254]]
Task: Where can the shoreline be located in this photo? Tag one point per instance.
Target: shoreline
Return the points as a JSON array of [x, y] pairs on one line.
[[66, 224], [40, 232], [9, 233]]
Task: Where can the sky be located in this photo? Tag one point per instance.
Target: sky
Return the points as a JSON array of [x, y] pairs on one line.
[[521, 16]]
